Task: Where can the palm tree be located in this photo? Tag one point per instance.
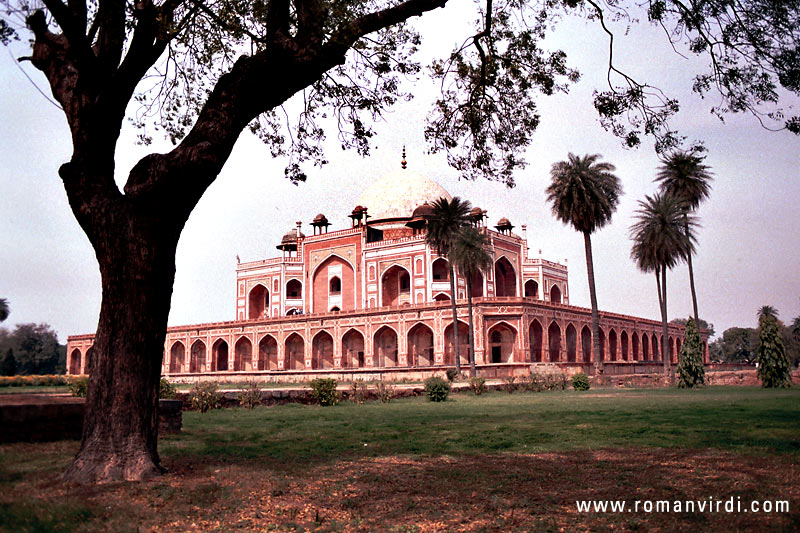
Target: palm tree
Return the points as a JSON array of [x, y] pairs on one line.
[[4, 311], [767, 312], [684, 175], [585, 193], [444, 224], [470, 254], [663, 235]]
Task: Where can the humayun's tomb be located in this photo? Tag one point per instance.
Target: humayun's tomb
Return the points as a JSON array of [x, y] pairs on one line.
[[373, 300]]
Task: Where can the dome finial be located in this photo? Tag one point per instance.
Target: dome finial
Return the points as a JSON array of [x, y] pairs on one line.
[[403, 162]]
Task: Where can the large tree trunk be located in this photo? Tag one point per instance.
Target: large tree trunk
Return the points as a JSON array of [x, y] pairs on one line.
[[598, 360], [471, 332], [691, 274], [120, 429], [455, 315]]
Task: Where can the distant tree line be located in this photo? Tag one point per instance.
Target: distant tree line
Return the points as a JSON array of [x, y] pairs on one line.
[[740, 345], [31, 349]]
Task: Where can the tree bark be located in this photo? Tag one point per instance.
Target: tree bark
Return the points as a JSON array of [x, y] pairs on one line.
[[471, 332], [120, 428], [455, 314], [691, 274], [598, 360]]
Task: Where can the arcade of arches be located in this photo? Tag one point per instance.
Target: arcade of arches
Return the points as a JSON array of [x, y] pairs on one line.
[[415, 344], [418, 345]]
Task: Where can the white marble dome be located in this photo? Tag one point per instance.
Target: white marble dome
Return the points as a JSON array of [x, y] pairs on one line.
[[398, 193]]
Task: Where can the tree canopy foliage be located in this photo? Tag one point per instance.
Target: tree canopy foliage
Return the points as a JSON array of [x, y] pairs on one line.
[[35, 349], [174, 52]]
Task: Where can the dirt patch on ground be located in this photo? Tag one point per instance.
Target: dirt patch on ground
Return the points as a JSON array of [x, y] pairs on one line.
[[468, 493]]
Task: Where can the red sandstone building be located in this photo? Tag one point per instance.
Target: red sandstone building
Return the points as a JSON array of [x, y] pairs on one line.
[[374, 300]]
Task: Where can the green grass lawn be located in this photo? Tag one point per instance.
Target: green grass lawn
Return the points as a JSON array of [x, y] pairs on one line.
[[731, 418], [498, 462]]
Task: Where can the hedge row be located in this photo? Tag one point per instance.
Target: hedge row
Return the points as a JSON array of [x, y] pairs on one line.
[[34, 381]]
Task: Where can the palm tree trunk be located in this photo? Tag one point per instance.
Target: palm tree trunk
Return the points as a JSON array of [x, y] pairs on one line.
[[471, 333], [691, 273], [455, 315], [664, 333], [598, 360]]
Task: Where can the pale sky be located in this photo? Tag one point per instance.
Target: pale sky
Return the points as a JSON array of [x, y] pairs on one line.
[[748, 252]]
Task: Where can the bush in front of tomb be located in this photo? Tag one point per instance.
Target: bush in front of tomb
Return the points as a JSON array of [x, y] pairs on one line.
[[690, 366], [452, 374], [324, 392], [205, 396], [437, 389], [358, 391], [477, 385], [166, 390], [386, 391], [510, 384], [78, 386], [580, 381], [773, 365], [250, 395]]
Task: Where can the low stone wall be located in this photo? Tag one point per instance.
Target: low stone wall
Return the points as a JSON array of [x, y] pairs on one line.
[[42, 418]]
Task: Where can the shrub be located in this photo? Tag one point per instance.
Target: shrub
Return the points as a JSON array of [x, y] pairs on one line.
[[250, 395], [324, 392], [51, 380], [358, 391], [773, 365], [166, 390], [690, 366], [204, 396], [510, 384], [452, 374], [78, 386], [533, 382], [477, 385], [386, 391], [437, 389], [580, 381]]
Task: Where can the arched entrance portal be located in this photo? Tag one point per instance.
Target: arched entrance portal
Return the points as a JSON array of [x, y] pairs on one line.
[[532, 289], [555, 294], [554, 334], [505, 278], [572, 343], [440, 270], [322, 351], [176, 355], [258, 302], [396, 287], [463, 344], [353, 349], [243, 355], [268, 353], [420, 346], [385, 347], [219, 356], [75, 361], [623, 345], [501, 344], [536, 336], [586, 344], [612, 345], [197, 358], [295, 353]]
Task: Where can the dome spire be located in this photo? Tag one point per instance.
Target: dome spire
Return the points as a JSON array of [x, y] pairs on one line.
[[403, 162]]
